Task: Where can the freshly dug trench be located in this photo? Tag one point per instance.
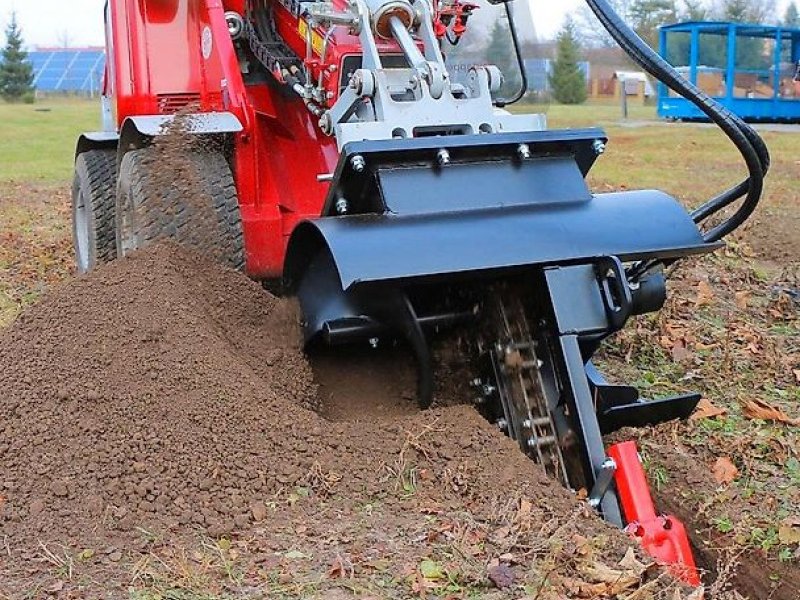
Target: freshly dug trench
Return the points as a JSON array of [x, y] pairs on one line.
[[164, 397]]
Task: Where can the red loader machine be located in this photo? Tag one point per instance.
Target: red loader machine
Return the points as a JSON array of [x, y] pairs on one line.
[[359, 152]]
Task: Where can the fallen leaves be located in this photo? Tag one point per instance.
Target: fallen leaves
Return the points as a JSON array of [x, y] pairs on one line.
[[760, 409], [706, 410], [789, 531], [724, 470], [705, 294], [602, 581], [742, 299]]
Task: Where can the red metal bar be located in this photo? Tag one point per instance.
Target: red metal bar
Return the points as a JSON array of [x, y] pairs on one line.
[[663, 537]]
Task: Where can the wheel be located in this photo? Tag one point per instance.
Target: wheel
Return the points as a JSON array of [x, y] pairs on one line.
[[93, 208], [193, 202]]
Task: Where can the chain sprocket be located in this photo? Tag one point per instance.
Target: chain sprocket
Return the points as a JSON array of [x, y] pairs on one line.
[[513, 382]]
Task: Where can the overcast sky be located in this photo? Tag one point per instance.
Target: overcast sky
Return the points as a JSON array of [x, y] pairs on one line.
[[80, 22]]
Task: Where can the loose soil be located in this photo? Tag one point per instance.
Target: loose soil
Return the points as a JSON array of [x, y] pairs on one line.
[[159, 417]]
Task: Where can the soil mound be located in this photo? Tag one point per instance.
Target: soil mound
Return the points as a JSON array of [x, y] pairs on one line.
[[164, 393]]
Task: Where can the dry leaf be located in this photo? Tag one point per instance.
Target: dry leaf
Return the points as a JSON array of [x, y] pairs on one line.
[[618, 580], [759, 409], [724, 470], [789, 531], [680, 352], [706, 410], [742, 299], [797, 375], [704, 294]]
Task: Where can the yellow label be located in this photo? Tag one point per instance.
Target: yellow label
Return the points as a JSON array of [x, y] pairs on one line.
[[316, 39]]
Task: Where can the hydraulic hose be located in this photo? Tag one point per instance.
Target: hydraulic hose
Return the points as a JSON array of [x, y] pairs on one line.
[[744, 137]]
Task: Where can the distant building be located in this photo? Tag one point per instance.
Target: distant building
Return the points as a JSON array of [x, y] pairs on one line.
[[633, 82], [68, 70]]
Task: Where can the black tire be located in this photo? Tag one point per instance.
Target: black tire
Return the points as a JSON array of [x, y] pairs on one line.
[[201, 211], [93, 208]]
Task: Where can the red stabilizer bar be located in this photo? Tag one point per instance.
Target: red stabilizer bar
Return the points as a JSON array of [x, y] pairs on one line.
[[663, 537]]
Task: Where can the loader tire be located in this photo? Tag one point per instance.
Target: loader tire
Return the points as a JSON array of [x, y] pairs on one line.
[[202, 215], [93, 208]]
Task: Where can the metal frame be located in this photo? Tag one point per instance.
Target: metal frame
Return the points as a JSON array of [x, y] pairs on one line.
[[774, 109]]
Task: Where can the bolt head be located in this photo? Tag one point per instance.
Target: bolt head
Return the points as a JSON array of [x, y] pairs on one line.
[[599, 147], [373, 342], [502, 424], [443, 157], [358, 163], [342, 206], [524, 151]]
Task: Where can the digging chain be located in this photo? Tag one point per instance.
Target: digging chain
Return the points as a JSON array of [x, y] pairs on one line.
[[520, 387]]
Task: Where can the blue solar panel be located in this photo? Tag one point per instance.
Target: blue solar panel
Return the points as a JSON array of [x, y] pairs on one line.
[[70, 70]]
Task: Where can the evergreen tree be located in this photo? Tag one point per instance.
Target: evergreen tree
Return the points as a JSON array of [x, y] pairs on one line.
[[568, 79], [500, 53], [791, 18], [16, 72]]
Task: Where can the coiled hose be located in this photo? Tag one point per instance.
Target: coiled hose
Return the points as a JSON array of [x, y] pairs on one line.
[[747, 141]]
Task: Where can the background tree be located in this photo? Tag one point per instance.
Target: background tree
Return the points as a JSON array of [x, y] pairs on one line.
[[591, 32], [746, 11], [16, 72], [568, 80], [791, 18], [646, 16], [500, 53]]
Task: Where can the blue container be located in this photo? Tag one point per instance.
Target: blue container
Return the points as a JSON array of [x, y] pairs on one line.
[[751, 69]]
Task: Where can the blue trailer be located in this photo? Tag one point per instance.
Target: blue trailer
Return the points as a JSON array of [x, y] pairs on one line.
[[751, 69]]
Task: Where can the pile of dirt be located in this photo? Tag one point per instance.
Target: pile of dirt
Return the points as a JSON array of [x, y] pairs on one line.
[[163, 396]]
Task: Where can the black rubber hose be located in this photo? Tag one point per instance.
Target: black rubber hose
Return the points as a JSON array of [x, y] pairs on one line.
[[749, 143]]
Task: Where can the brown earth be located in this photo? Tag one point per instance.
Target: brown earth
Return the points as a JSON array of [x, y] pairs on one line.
[[158, 434]]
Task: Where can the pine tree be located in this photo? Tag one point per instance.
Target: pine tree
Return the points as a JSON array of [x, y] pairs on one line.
[[791, 18], [500, 53], [16, 72], [567, 79]]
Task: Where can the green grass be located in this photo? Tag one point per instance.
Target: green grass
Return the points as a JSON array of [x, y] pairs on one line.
[[37, 142]]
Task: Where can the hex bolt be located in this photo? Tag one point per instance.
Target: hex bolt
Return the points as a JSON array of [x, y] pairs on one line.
[[358, 163], [527, 423], [531, 442], [443, 157], [488, 390], [373, 342], [599, 147], [325, 123], [502, 424], [524, 151], [342, 206]]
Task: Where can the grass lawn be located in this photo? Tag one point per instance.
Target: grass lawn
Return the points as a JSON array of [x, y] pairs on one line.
[[37, 142]]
